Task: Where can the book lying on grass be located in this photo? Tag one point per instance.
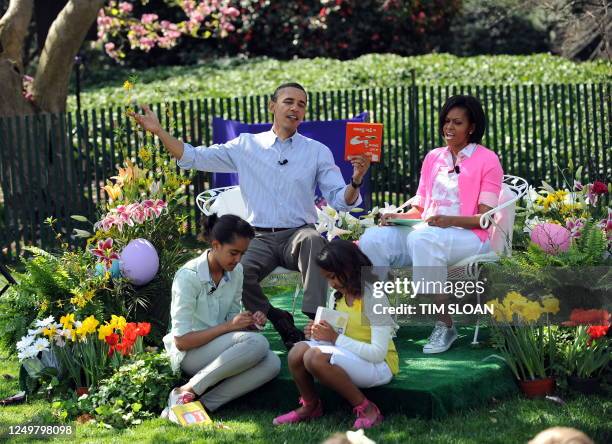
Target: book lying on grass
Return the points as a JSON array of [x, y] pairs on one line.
[[191, 413], [337, 319], [363, 138]]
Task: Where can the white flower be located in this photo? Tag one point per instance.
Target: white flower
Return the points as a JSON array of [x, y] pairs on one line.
[[24, 342], [35, 331], [335, 231], [388, 209], [367, 222], [59, 341], [41, 344], [27, 353], [44, 323], [155, 187], [350, 219]]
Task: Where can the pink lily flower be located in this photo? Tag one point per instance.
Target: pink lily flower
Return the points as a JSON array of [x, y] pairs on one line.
[[105, 252]]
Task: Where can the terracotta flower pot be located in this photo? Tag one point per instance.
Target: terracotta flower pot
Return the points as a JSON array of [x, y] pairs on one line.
[[588, 386], [80, 391], [538, 387]]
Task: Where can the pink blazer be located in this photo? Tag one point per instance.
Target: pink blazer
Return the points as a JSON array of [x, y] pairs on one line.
[[480, 181]]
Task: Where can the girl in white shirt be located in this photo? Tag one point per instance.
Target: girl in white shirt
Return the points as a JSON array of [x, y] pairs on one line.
[[363, 356]]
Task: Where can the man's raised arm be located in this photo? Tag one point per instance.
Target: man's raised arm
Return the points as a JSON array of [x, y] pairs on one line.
[[149, 122]]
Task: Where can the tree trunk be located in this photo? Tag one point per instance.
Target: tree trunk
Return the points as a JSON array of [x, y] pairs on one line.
[[65, 37], [13, 30]]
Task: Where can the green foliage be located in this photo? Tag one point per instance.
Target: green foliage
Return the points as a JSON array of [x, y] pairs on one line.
[[583, 356], [243, 77], [138, 390], [587, 250], [497, 27]]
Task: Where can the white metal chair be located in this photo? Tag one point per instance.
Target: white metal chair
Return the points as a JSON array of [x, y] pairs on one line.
[[228, 200], [501, 221]]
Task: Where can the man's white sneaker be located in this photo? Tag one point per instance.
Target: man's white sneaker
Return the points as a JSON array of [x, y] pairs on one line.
[[176, 398], [441, 338]]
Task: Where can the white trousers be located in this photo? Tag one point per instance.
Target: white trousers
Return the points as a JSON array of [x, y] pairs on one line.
[[430, 250], [363, 373]]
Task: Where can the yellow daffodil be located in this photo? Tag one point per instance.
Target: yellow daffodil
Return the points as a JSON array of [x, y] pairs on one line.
[[50, 331], [67, 321], [118, 322], [531, 311], [127, 85], [90, 324], [550, 304], [500, 312], [104, 331]]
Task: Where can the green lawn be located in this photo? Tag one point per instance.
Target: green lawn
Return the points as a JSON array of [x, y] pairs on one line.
[[512, 421], [242, 77]]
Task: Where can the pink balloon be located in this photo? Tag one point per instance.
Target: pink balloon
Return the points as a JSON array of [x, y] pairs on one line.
[[551, 238], [139, 261]]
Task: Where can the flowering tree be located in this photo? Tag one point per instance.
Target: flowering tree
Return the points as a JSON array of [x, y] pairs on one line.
[[120, 28]]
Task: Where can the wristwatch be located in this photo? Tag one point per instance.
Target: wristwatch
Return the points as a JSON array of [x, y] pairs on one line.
[[354, 184]]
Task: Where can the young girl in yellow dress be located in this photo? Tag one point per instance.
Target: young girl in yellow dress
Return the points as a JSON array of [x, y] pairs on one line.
[[363, 356]]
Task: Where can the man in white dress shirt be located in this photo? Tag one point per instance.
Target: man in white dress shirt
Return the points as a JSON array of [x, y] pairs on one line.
[[279, 171]]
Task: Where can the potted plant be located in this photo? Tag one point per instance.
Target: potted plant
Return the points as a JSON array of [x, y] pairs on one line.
[[586, 352], [525, 343]]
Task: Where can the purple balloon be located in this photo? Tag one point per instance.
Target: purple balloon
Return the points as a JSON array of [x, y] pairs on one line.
[[139, 261]]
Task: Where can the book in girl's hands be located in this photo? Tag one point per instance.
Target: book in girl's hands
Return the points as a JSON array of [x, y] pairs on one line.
[[363, 139], [337, 319], [191, 413]]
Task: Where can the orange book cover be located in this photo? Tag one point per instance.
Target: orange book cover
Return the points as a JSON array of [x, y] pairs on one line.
[[363, 138]]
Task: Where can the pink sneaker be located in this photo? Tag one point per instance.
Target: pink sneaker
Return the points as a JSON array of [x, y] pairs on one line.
[[292, 417], [362, 421], [176, 398]]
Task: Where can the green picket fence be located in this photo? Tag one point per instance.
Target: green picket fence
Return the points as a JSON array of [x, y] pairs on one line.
[[56, 165]]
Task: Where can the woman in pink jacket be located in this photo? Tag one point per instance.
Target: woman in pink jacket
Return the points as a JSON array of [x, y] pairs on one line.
[[458, 183]]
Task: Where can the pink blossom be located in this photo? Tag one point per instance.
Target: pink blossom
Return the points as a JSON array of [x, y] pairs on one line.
[[105, 252], [578, 185], [575, 226], [147, 19], [197, 16], [125, 7], [231, 11]]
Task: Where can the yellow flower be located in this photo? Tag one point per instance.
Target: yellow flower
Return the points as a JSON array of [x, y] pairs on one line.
[[550, 304], [90, 324], [104, 331], [113, 191], [514, 301], [127, 85], [67, 321], [144, 154], [50, 331], [500, 312], [532, 311], [118, 322]]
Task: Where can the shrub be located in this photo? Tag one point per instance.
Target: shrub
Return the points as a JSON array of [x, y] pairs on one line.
[[496, 27]]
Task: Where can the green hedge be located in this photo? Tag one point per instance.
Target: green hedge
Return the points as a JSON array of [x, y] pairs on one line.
[[243, 77]]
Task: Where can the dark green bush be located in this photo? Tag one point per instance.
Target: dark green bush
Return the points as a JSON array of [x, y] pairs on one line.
[[496, 27]]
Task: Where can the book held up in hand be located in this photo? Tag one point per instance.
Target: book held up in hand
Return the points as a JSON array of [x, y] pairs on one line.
[[363, 139], [337, 319], [191, 413]]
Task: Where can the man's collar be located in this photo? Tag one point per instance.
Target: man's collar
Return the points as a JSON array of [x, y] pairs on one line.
[[270, 137], [204, 270]]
